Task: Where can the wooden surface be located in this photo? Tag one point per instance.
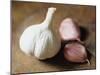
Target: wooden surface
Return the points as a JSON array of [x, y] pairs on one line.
[[25, 14]]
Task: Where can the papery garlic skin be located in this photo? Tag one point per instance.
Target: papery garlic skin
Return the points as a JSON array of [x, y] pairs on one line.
[[28, 39], [42, 40], [46, 45]]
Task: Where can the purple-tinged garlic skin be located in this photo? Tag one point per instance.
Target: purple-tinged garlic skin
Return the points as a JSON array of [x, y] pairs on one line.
[[69, 30], [75, 52]]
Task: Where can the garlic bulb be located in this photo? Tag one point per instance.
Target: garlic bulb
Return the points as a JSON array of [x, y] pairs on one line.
[[42, 40], [69, 30], [75, 52]]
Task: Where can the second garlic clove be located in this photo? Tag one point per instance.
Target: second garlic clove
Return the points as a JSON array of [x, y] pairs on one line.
[[75, 52]]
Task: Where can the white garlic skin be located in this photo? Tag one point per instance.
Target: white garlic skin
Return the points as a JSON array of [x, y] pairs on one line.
[[41, 40], [47, 45], [69, 30], [28, 39]]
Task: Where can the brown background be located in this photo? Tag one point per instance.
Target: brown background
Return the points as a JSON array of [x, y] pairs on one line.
[[28, 13]]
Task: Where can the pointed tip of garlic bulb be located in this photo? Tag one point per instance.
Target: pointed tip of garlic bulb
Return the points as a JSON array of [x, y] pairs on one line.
[[52, 8], [88, 62]]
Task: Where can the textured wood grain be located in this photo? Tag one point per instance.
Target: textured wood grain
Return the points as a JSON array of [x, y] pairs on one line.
[[25, 14]]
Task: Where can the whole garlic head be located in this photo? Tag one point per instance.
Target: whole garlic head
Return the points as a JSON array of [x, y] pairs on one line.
[[42, 40]]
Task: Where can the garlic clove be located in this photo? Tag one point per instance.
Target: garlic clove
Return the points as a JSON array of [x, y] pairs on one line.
[[69, 30], [75, 52]]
